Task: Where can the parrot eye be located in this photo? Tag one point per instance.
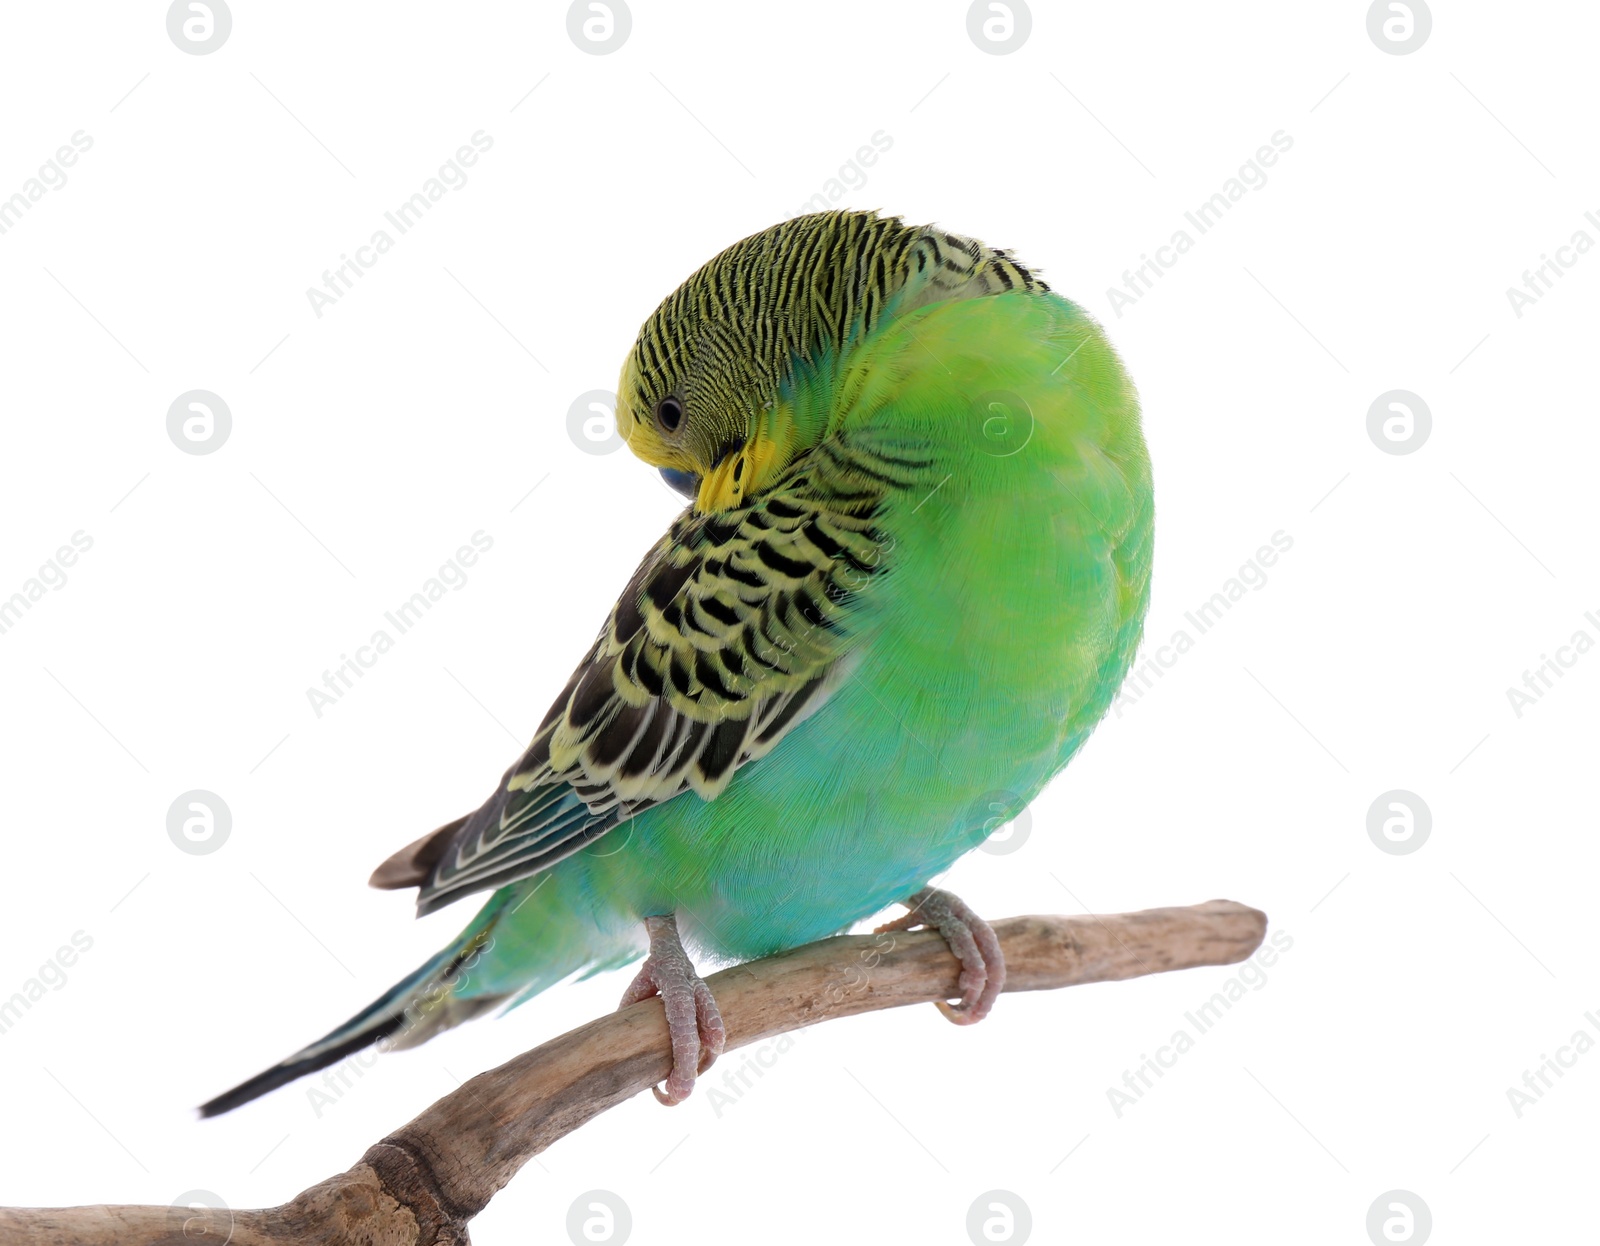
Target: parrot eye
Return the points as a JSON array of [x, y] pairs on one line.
[[686, 483], [669, 414]]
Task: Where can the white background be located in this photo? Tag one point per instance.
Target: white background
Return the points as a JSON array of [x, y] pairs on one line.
[[369, 443]]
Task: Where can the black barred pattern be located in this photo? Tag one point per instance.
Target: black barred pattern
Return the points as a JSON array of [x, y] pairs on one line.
[[736, 329], [733, 629]]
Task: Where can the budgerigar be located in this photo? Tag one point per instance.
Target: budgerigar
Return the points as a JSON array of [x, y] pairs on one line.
[[912, 574]]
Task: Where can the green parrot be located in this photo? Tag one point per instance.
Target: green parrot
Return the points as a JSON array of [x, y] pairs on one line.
[[912, 574]]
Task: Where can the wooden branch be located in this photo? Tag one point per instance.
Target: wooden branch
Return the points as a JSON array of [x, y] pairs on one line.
[[422, 1184]]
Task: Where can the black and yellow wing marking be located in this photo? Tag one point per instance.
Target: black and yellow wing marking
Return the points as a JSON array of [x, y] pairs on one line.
[[734, 628]]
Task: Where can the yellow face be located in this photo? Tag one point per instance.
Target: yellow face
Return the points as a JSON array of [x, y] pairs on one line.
[[716, 458]]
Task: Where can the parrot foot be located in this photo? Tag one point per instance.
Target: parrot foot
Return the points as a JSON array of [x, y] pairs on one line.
[[974, 942], [693, 1021]]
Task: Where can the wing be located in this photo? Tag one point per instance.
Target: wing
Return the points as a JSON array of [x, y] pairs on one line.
[[735, 627]]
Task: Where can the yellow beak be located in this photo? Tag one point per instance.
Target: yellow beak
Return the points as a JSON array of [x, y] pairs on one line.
[[723, 485], [748, 469]]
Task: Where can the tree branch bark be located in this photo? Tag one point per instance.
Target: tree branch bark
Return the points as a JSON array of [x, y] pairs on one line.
[[422, 1185]]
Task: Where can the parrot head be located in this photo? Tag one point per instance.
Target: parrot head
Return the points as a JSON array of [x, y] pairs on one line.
[[705, 416], [702, 393], [714, 391]]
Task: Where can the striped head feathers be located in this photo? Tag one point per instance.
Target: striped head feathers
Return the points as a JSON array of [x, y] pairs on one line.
[[702, 394]]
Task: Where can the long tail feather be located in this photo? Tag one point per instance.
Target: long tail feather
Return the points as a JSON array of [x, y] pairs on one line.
[[411, 1011]]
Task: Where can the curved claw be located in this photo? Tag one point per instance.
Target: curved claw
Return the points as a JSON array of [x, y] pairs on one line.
[[974, 944], [694, 1023]]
